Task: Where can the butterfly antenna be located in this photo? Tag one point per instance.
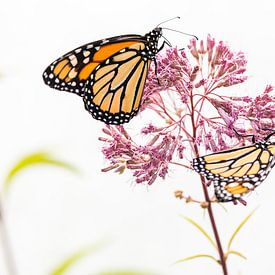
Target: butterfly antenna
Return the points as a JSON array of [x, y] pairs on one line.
[[177, 17], [182, 33]]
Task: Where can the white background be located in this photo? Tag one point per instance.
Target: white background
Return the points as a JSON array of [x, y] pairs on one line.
[[52, 213]]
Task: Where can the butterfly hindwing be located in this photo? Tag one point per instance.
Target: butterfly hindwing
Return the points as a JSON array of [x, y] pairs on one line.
[[229, 191], [114, 90]]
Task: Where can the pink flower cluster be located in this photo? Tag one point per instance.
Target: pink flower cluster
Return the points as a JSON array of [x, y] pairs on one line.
[[258, 113], [225, 68], [147, 161], [189, 95]]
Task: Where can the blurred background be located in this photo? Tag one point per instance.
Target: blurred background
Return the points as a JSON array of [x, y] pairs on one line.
[[52, 213]]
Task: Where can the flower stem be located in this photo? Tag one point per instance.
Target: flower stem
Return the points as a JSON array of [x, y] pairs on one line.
[[214, 227], [10, 263], [206, 195], [213, 222]]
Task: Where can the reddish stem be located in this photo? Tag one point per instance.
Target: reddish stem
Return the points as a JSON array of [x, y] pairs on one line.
[[214, 227], [206, 195]]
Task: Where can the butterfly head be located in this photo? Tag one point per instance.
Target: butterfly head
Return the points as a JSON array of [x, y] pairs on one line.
[[154, 35], [157, 31], [152, 39]]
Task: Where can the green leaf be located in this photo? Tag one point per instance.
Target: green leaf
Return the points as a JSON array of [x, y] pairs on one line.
[[201, 230], [236, 253], [197, 256], [125, 272], [238, 229], [75, 258], [36, 158]]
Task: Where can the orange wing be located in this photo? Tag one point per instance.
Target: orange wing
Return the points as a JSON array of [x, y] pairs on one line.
[[114, 90], [109, 74], [110, 78], [71, 71], [249, 161], [238, 171]]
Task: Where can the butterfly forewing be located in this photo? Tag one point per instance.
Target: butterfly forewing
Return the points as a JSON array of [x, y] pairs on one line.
[[237, 171]]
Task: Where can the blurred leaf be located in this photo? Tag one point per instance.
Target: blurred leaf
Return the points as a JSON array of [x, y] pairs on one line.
[[34, 159], [197, 256], [74, 258], [201, 230], [238, 229], [236, 253], [125, 272]]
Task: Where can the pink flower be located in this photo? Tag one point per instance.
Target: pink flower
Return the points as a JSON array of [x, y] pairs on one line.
[[174, 71], [257, 114], [147, 162], [225, 68], [188, 94]]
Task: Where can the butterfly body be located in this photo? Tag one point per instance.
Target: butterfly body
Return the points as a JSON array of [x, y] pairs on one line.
[[237, 171], [108, 74]]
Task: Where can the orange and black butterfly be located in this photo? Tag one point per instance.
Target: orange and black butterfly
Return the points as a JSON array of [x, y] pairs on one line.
[[109, 74], [237, 171]]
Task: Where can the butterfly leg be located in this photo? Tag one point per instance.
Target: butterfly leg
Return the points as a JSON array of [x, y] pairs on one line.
[[166, 42], [156, 70], [270, 135], [252, 136]]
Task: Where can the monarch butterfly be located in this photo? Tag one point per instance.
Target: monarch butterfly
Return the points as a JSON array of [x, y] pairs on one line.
[[109, 74], [237, 171]]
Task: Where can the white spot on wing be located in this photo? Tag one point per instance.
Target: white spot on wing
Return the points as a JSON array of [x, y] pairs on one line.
[[86, 60], [248, 185], [74, 62], [104, 41], [86, 53]]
